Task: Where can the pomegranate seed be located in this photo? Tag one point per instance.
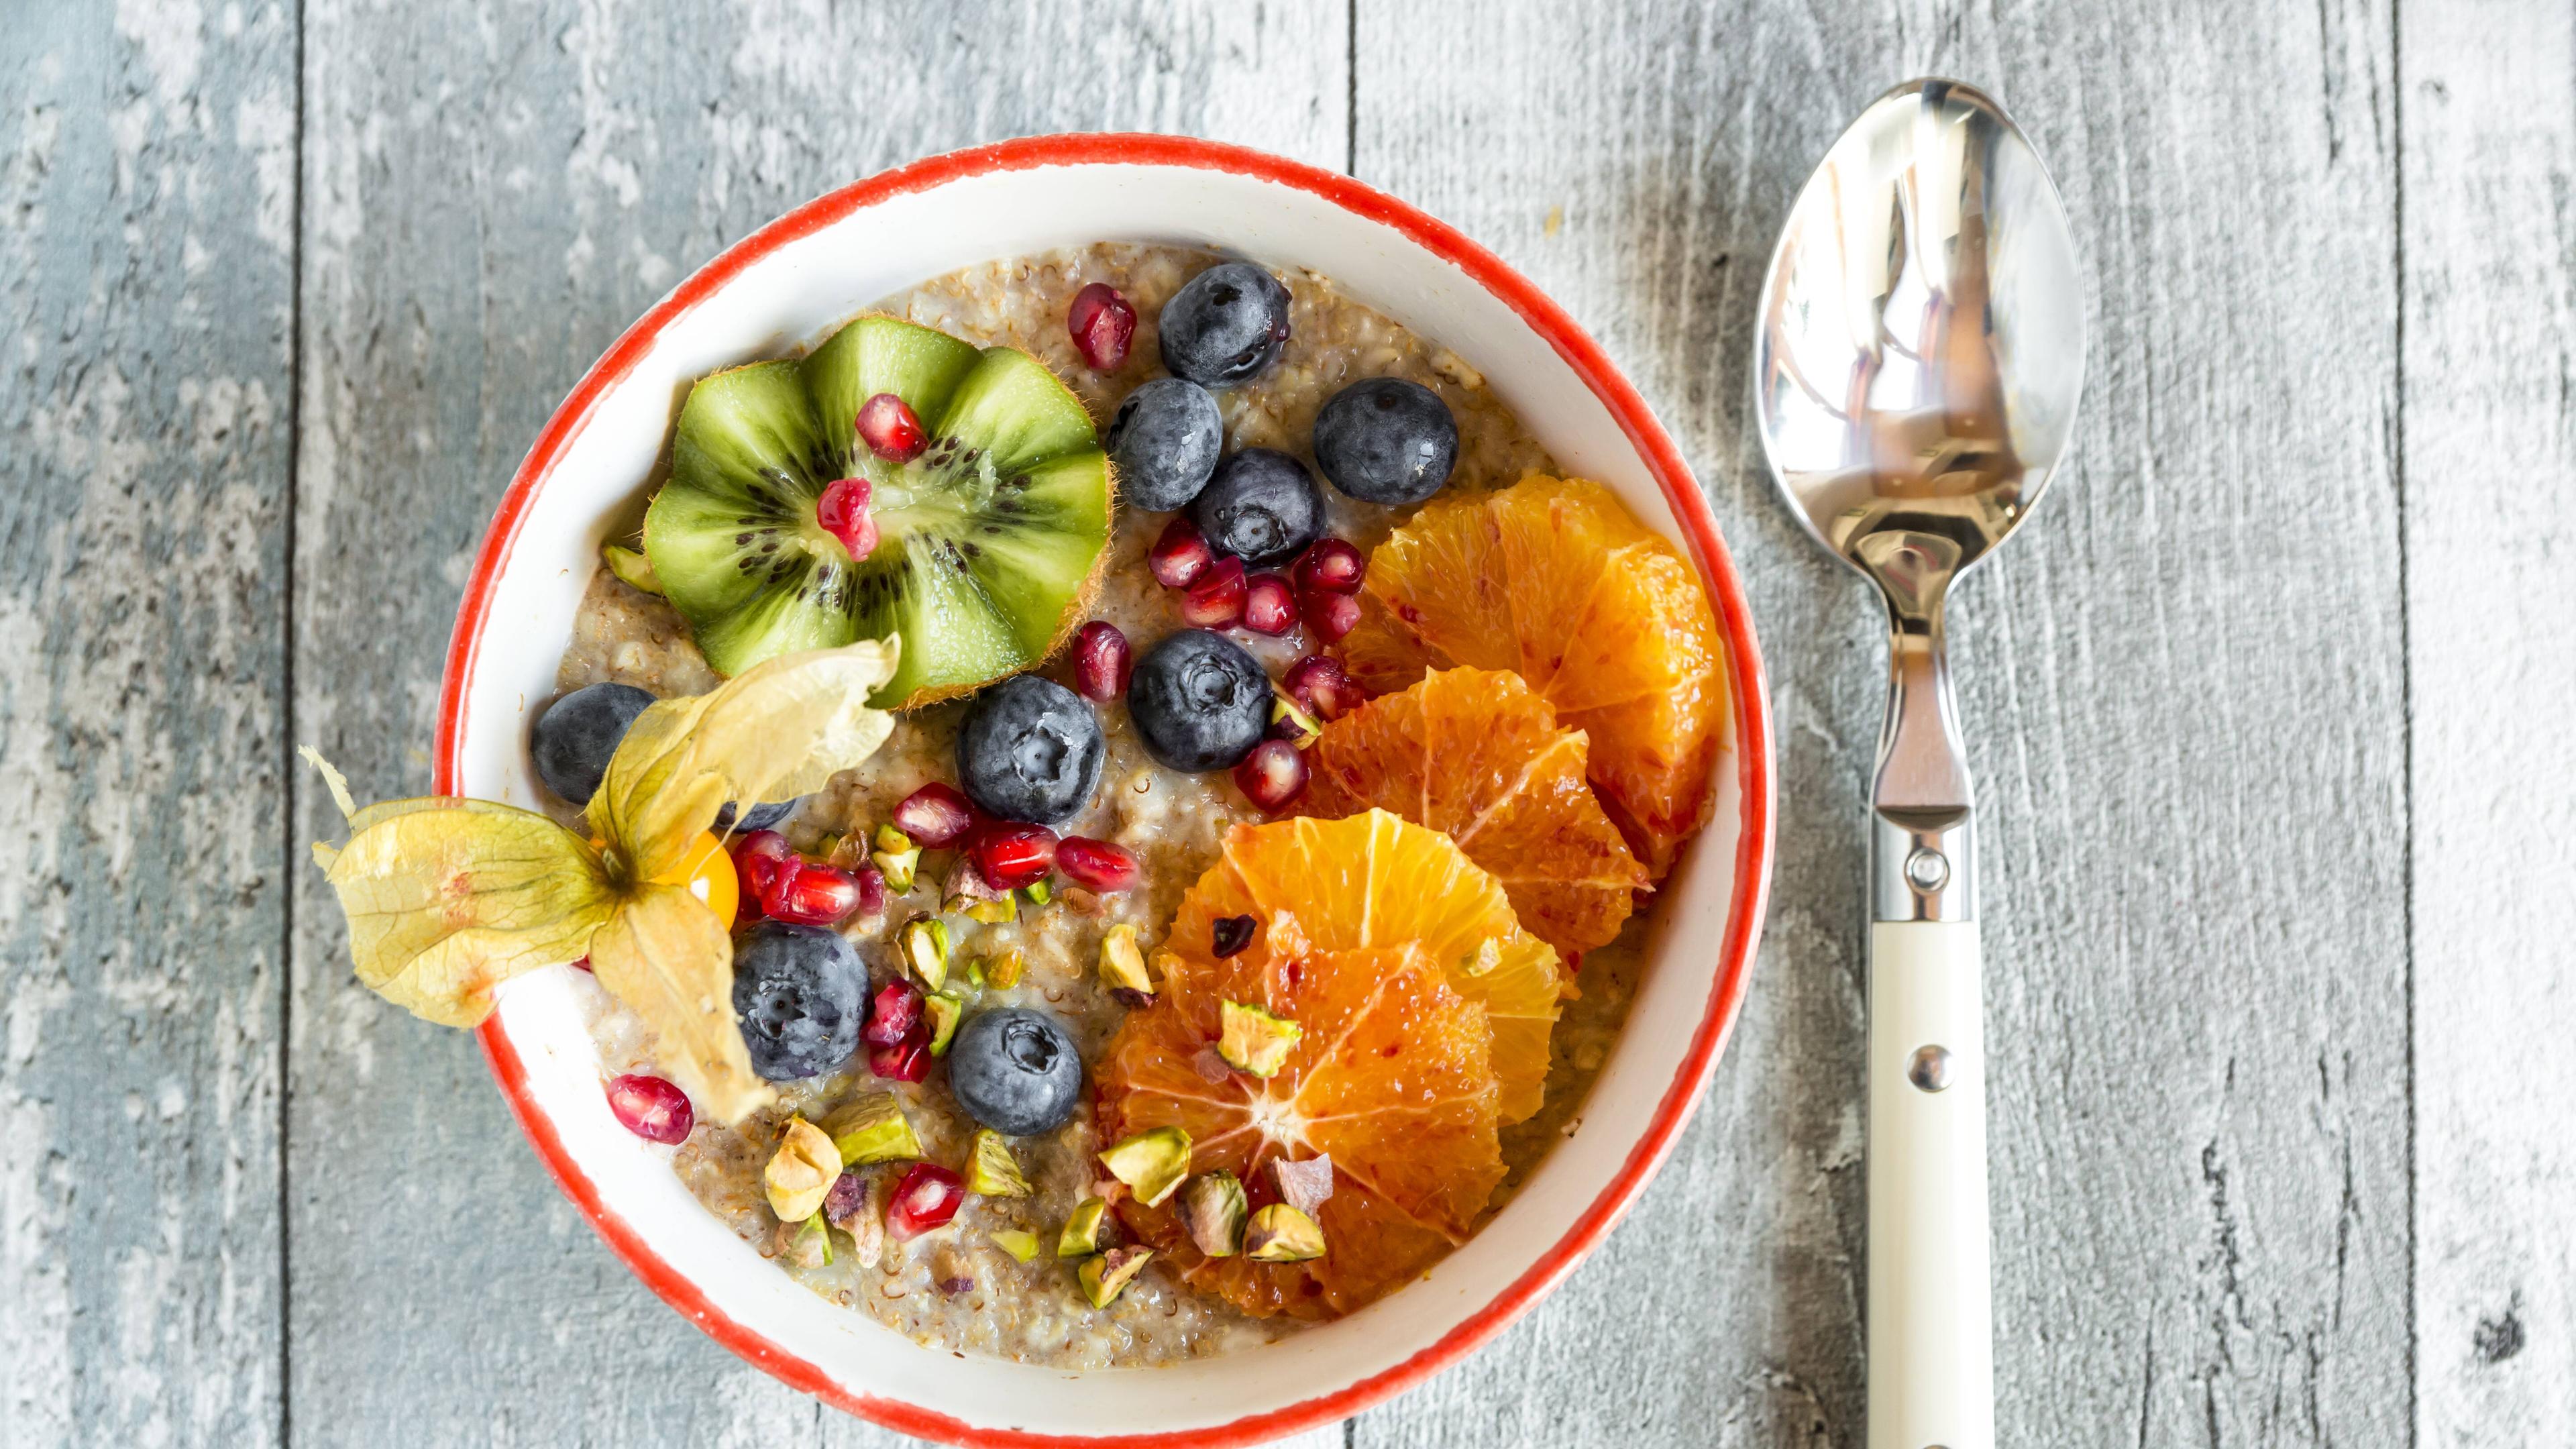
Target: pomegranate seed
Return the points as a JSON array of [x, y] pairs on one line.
[[1269, 604], [1333, 566], [651, 1108], [849, 1194], [1009, 856], [843, 512], [893, 1014], [1095, 865], [1102, 322], [872, 889], [813, 894], [584, 965], [1331, 615], [1180, 555], [1321, 687], [888, 427], [906, 1061], [927, 1197], [1230, 934], [1216, 600], [757, 859], [1101, 660], [934, 815], [1272, 775]]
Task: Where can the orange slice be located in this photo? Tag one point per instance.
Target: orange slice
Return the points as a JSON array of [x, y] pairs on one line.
[[1476, 755], [1377, 880], [1392, 1079], [1554, 580]]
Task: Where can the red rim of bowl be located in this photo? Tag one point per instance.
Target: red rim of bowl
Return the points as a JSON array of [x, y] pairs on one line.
[[1672, 475]]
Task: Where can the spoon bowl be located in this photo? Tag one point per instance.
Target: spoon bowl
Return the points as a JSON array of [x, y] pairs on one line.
[[1922, 340]]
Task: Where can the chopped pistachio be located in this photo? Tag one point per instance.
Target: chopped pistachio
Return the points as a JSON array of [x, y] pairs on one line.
[[632, 568], [1281, 1234], [1122, 965], [899, 867], [1038, 892], [1105, 1277], [991, 1170], [874, 1129], [1151, 1163], [1003, 971], [1252, 1040], [925, 950], [819, 1228], [945, 1010], [1284, 710], [1212, 1209], [992, 913], [889, 838], [801, 1172], [1084, 1230], [1020, 1245]]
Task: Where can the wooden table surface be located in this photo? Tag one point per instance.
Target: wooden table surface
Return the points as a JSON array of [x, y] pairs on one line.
[[2266, 706]]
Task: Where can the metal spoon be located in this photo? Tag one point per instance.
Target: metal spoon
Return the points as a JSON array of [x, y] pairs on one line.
[[1920, 356]]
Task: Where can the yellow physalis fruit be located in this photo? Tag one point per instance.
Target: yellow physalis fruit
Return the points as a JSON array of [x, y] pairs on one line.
[[1151, 1163], [448, 898], [801, 1172]]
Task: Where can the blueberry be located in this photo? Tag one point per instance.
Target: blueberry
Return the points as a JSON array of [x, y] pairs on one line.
[[1225, 326], [759, 817], [1030, 750], [1262, 506], [1199, 701], [575, 736], [801, 993], [1165, 439], [1015, 1071], [1386, 440]]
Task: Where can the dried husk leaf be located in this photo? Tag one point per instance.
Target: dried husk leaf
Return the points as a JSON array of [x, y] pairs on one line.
[[448, 898], [780, 729], [666, 955]]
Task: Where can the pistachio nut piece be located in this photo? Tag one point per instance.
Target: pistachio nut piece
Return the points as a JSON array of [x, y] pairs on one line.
[[1212, 1208], [1122, 963], [991, 1170], [632, 568], [1020, 1245], [1281, 1234], [1003, 971], [1085, 1230], [873, 1129], [801, 1172], [1038, 892], [1151, 1163], [925, 950], [1252, 1040], [1105, 1277], [944, 1011]]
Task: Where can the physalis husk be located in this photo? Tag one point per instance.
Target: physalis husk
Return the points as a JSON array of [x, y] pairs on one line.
[[448, 898]]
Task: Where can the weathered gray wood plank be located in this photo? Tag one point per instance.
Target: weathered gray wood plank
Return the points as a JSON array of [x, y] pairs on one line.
[[2184, 689], [493, 197], [2489, 107], [146, 155]]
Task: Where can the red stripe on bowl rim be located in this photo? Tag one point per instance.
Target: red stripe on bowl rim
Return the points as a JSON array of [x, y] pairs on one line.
[[1681, 491]]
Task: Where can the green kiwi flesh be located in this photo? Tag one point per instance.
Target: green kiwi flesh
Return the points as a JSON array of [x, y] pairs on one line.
[[988, 543]]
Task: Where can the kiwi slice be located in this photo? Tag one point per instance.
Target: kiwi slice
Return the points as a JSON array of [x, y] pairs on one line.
[[990, 543]]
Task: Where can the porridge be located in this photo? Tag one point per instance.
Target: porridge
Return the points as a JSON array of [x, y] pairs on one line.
[[1234, 891]]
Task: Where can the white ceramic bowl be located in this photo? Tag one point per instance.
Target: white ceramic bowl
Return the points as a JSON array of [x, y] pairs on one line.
[[786, 286]]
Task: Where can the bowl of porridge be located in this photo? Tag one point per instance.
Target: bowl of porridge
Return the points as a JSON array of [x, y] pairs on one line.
[[1033, 1261]]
